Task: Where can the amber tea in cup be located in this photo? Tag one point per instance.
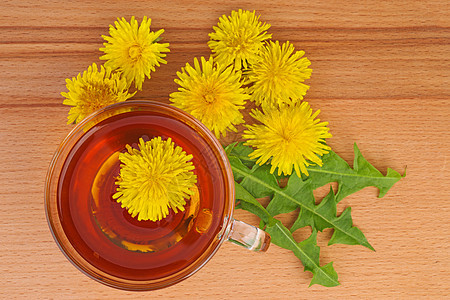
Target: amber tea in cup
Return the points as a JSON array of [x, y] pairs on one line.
[[102, 239]]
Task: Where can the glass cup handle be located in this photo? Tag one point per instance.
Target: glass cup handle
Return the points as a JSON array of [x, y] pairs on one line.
[[248, 236]]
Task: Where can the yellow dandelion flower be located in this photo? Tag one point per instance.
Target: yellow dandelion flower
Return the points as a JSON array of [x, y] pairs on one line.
[[277, 76], [154, 178], [238, 38], [212, 94], [134, 50], [291, 137], [93, 90]]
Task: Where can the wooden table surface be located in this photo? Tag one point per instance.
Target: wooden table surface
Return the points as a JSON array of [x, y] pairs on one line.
[[381, 79]]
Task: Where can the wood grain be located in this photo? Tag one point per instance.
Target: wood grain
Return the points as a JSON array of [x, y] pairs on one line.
[[381, 79]]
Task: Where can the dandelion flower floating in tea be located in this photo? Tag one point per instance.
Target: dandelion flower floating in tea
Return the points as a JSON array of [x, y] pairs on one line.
[[93, 90], [134, 50], [290, 138], [212, 94], [238, 38], [154, 178], [278, 74]]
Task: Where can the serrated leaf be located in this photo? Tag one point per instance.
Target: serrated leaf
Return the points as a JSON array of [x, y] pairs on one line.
[[323, 216], [350, 235], [307, 251], [335, 169], [363, 174], [327, 274], [297, 194], [256, 181]]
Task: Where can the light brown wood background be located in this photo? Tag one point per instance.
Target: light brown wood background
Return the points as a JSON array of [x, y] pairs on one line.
[[381, 78]]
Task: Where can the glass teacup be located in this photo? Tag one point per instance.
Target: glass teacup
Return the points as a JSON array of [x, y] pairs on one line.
[[102, 239]]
